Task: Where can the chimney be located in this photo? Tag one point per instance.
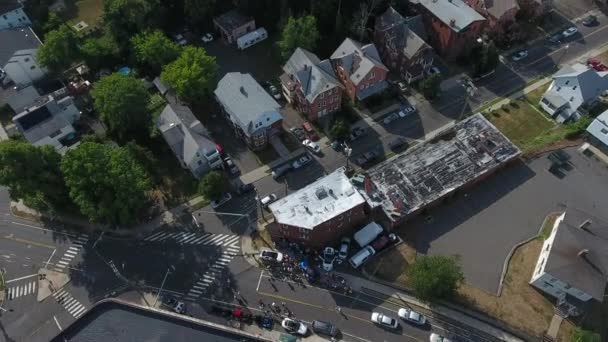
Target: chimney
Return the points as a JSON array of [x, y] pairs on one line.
[[583, 253], [453, 22], [308, 210], [585, 226], [242, 89]]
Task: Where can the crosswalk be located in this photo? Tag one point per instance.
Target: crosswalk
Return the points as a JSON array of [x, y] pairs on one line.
[[214, 271], [72, 251], [21, 290], [188, 238], [70, 303]]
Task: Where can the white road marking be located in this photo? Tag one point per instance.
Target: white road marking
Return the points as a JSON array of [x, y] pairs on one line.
[[51, 257], [259, 281], [57, 322], [21, 278], [229, 241]]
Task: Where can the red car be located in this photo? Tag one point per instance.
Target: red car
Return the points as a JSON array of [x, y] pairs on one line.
[[310, 131], [596, 64]]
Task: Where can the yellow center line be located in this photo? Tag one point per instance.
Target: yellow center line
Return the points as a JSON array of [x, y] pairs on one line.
[[28, 242]]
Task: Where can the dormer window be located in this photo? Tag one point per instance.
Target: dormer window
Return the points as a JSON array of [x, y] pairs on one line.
[[567, 82]]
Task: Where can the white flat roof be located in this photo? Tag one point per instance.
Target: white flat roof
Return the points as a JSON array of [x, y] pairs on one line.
[[318, 202]]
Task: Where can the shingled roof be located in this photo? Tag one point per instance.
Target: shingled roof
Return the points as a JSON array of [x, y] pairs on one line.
[[357, 59], [315, 76]]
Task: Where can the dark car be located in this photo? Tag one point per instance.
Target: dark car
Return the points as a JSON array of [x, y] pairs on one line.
[[371, 155], [356, 133], [336, 146], [398, 143], [590, 20], [556, 38], [231, 166], [298, 133], [265, 322], [244, 188], [324, 328], [383, 241]]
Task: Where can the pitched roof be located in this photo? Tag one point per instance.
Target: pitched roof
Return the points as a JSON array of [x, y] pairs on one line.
[[232, 20], [579, 256], [599, 126], [400, 33], [9, 5], [14, 40], [184, 134], [497, 8], [454, 13], [318, 202], [356, 59], [315, 76]]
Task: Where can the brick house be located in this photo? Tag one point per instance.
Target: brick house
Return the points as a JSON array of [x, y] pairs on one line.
[[453, 26], [311, 85], [402, 46], [232, 25], [360, 69], [319, 214]]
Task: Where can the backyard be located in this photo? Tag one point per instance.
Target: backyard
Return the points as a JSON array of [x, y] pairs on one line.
[[89, 11]]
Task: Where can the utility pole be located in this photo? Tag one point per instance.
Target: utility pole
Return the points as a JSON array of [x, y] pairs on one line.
[[562, 55], [347, 151], [161, 287]]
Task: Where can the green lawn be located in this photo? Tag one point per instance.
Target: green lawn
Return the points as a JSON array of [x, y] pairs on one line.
[[89, 11], [534, 96]]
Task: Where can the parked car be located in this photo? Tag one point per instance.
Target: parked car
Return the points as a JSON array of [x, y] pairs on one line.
[[398, 143], [556, 38], [310, 131], [329, 255], [433, 71], [231, 166], [336, 145], [569, 32], [227, 197], [438, 338], [402, 86], [311, 145], [270, 255], [390, 118], [267, 200], [207, 38], [180, 308], [274, 92], [590, 20], [361, 256], [383, 241], [298, 133], [411, 316], [280, 170], [179, 38], [407, 110], [325, 328], [366, 158], [303, 160], [169, 300], [384, 320], [356, 133], [519, 55], [294, 327], [344, 246], [264, 321], [244, 188]]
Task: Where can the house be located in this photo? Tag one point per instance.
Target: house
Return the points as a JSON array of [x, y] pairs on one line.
[[456, 159], [18, 56], [255, 115], [575, 88], [453, 26], [573, 263], [500, 14], [360, 69], [232, 25], [402, 45], [19, 99], [12, 15], [188, 139], [598, 130], [311, 85], [48, 121], [320, 213]]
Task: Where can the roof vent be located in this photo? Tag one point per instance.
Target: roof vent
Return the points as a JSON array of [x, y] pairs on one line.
[[308, 210], [242, 89], [321, 193], [453, 22], [585, 226], [583, 253]]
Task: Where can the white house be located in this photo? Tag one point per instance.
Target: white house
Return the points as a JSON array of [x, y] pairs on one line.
[[598, 129], [574, 258], [18, 51], [574, 88], [12, 15]]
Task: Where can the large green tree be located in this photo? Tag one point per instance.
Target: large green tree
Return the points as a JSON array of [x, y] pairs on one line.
[[108, 184], [60, 49], [199, 12], [32, 174], [340, 129], [299, 32], [122, 105], [213, 185], [435, 277], [153, 49], [430, 86], [193, 74], [99, 52], [125, 18], [484, 58]]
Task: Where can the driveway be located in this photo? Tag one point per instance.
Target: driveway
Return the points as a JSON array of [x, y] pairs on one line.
[[483, 225]]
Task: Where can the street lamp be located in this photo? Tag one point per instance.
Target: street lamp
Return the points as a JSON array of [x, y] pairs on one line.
[[562, 55], [162, 285], [347, 152]]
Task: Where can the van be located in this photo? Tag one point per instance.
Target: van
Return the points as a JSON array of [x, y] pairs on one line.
[[368, 234], [251, 38], [281, 170], [361, 256]]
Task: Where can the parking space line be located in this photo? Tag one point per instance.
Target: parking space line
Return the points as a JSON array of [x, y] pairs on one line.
[[21, 278]]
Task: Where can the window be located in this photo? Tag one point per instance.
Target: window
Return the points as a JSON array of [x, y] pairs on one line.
[[567, 82], [372, 74], [322, 95], [574, 88]]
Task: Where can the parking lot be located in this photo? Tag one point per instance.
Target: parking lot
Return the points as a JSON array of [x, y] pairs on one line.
[[482, 226]]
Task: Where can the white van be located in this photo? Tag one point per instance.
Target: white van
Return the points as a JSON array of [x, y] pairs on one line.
[[361, 256], [368, 234], [251, 38]]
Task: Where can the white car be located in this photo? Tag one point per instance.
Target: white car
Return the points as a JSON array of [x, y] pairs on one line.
[[391, 118], [180, 308], [313, 146], [569, 32], [402, 86], [274, 92], [329, 255], [294, 327], [303, 160], [267, 200], [227, 197], [344, 246], [411, 316], [179, 38], [270, 255], [518, 56], [438, 338], [407, 111], [384, 320], [207, 38]]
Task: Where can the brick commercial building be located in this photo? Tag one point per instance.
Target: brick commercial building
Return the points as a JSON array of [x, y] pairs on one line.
[[320, 213]]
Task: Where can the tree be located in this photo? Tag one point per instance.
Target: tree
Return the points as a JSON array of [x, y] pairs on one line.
[[122, 104], [53, 22], [484, 58], [125, 18], [581, 335], [100, 52], [154, 49], [430, 86], [193, 74], [199, 12], [435, 277], [60, 49], [213, 185], [340, 129], [299, 32], [107, 183], [361, 17], [32, 174]]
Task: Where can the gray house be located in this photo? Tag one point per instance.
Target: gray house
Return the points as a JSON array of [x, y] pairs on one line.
[[189, 140]]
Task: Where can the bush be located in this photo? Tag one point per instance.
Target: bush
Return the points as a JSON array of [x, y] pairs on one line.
[[435, 277]]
